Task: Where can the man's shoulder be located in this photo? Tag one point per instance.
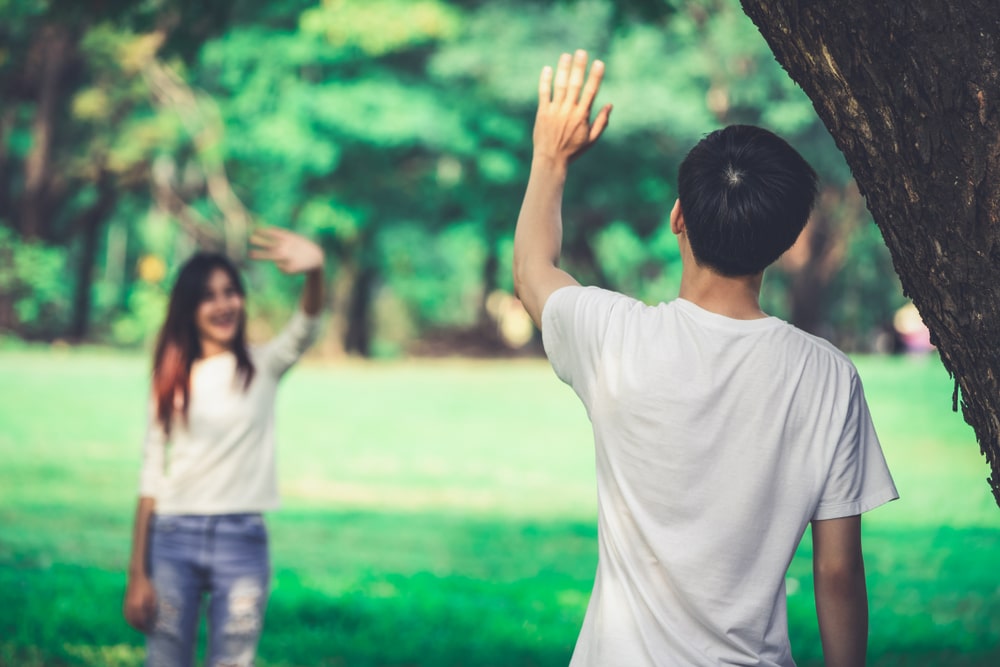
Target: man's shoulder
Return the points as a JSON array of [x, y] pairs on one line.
[[809, 343], [573, 299]]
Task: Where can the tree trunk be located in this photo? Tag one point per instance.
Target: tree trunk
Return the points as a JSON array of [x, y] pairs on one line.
[[341, 288], [818, 254], [90, 225], [52, 50], [352, 290], [358, 336], [7, 118], [8, 320], [910, 91], [488, 320]]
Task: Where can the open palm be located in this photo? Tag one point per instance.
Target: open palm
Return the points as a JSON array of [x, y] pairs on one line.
[[289, 251]]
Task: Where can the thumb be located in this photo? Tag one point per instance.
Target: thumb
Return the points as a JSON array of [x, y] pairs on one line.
[[600, 123]]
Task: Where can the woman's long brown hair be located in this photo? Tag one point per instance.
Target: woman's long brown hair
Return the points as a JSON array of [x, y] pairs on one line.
[[178, 345]]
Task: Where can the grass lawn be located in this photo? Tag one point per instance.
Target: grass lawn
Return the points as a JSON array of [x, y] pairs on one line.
[[442, 514]]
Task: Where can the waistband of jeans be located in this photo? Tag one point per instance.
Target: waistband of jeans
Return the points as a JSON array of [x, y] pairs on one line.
[[201, 521]]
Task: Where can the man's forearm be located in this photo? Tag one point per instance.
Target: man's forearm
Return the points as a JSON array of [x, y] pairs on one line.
[[842, 611], [538, 236]]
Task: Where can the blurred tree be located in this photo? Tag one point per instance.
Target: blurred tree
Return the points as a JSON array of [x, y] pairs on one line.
[[909, 92], [334, 130], [398, 133], [68, 82]]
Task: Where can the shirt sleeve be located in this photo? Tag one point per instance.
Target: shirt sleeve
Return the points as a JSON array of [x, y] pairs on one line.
[[153, 457], [859, 478], [575, 322], [279, 354]]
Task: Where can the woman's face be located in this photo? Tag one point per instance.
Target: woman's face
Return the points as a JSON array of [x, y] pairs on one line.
[[219, 314]]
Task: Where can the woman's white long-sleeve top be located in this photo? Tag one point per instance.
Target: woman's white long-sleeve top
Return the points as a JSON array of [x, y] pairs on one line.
[[221, 460]]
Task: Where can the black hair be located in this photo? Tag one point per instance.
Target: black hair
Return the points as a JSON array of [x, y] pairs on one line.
[[745, 195]]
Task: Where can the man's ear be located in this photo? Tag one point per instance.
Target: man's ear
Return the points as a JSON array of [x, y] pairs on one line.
[[677, 225]]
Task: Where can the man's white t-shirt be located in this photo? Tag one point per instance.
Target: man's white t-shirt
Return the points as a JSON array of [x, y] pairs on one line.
[[717, 442], [222, 459]]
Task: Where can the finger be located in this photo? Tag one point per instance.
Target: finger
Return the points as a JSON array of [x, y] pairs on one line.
[[262, 239], [145, 615], [601, 122], [545, 87], [279, 232], [270, 235], [273, 242], [150, 612], [593, 84], [136, 617], [562, 79], [264, 232], [265, 255], [576, 73]]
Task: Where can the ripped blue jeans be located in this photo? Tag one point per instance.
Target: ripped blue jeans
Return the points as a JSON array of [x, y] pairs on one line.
[[223, 558]]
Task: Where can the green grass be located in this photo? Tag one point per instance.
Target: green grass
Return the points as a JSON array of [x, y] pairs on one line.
[[442, 514]]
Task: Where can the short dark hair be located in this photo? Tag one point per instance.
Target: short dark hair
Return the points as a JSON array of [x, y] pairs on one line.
[[745, 195]]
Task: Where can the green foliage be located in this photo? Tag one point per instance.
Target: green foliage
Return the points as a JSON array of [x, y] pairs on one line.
[[147, 307], [440, 285], [32, 278], [380, 27], [863, 301], [646, 269], [366, 123]]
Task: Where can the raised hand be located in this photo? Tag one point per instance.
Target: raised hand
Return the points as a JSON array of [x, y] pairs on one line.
[[289, 251], [563, 129]]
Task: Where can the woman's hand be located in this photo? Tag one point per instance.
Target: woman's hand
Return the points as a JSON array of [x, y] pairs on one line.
[[289, 251], [140, 603]]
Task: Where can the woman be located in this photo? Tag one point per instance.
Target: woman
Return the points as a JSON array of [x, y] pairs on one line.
[[208, 470]]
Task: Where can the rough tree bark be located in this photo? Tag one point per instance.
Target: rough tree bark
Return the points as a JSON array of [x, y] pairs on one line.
[[910, 93]]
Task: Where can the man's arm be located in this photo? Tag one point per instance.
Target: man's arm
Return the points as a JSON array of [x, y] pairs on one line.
[[563, 131], [841, 595]]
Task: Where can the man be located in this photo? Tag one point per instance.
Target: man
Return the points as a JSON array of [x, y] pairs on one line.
[[720, 432]]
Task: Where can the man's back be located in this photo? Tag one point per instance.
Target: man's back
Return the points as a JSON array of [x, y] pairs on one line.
[[718, 440], [720, 432]]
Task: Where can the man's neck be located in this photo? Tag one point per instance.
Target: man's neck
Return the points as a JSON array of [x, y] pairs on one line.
[[738, 298]]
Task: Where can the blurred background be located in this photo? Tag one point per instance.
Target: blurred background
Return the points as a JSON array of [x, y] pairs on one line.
[[399, 134], [437, 478]]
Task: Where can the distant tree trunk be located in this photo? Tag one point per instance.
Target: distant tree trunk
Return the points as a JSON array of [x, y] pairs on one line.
[[7, 119], [487, 323], [90, 226], [818, 254], [910, 93], [341, 287], [52, 52], [357, 339], [351, 302], [7, 319], [7, 316]]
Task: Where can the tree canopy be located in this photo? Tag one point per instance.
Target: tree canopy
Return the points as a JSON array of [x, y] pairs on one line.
[[396, 132]]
